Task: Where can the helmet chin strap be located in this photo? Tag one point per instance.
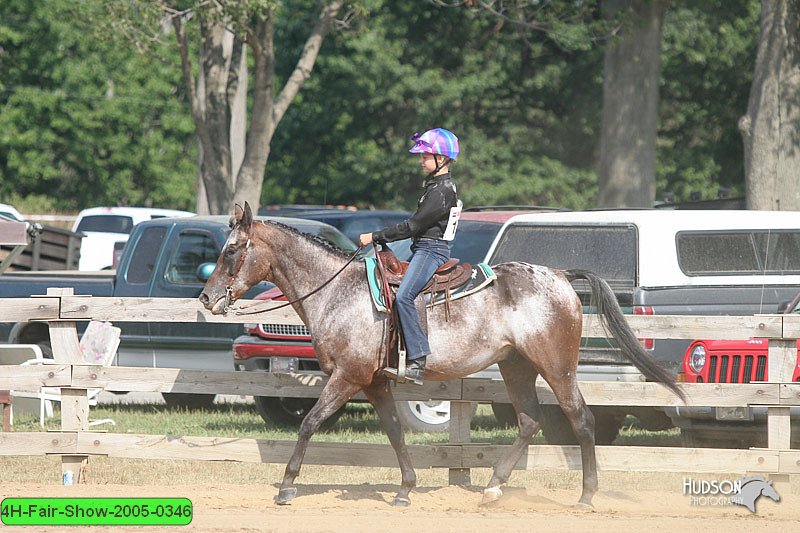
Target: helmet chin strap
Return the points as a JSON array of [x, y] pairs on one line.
[[439, 166]]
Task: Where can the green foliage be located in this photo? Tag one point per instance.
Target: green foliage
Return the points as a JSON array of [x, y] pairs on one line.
[[85, 121], [708, 55], [514, 100], [89, 120]]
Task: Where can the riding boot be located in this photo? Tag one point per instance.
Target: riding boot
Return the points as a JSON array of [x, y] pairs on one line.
[[415, 371]]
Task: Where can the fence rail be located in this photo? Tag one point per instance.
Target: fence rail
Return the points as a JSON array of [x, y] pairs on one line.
[[75, 443]]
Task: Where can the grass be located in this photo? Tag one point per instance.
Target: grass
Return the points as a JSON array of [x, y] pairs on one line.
[[359, 423]]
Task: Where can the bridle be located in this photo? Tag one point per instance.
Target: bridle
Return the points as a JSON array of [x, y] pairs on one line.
[[229, 287]]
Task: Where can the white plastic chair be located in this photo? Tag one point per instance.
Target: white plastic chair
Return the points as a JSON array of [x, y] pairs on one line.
[[24, 401], [99, 345]]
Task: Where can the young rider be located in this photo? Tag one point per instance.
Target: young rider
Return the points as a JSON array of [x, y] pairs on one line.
[[429, 231]]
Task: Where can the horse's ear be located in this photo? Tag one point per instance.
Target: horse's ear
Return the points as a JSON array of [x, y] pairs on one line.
[[247, 218], [238, 213]]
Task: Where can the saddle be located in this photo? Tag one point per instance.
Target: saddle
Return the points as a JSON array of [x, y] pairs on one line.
[[450, 275]]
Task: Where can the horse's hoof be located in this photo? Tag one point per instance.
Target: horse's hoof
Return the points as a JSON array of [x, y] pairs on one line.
[[285, 496], [491, 494], [581, 506], [401, 502]]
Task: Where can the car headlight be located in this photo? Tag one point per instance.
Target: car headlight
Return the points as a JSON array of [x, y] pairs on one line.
[[697, 359]]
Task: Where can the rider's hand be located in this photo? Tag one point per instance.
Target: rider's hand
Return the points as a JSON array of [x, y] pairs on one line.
[[365, 239]]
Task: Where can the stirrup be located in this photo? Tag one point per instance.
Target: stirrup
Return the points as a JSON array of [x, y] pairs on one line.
[[399, 374]]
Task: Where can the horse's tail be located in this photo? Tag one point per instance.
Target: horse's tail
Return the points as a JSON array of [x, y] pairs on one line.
[[613, 319]]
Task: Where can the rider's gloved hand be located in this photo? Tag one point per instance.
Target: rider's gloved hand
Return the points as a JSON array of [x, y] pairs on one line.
[[364, 239]]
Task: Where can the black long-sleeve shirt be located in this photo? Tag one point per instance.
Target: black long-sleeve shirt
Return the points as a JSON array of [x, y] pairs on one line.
[[430, 219]]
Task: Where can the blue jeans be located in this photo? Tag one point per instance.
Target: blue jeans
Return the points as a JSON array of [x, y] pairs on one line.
[[428, 255]]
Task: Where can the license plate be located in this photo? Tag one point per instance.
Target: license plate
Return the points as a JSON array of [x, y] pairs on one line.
[[734, 413], [283, 364]]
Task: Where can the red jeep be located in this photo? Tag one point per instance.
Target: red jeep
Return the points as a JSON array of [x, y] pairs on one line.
[[724, 361]]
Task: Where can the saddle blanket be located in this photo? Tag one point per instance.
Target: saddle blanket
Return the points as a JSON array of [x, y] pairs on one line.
[[482, 275]]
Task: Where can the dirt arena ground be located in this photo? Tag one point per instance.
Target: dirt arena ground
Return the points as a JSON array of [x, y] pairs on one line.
[[626, 502]]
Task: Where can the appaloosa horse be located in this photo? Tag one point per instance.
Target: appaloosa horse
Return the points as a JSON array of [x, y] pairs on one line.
[[528, 321]]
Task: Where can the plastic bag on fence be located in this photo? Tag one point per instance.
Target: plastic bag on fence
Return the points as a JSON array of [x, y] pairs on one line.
[[99, 342]]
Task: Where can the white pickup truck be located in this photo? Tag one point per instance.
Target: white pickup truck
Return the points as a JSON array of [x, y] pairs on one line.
[[103, 227]]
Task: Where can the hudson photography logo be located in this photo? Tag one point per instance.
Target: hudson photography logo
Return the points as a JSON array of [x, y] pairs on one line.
[[745, 491]]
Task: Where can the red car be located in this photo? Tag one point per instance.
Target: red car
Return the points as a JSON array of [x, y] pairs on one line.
[[725, 361], [281, 348]]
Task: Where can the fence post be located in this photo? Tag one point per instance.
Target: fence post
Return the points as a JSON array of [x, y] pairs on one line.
[[460, 420], [74, 402], [782, 359]]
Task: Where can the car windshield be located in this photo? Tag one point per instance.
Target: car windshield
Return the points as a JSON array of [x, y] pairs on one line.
[[106, 224], [472, 241], [329, 233]]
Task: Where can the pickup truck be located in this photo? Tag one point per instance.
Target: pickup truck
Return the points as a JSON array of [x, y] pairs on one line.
[[160, 259]]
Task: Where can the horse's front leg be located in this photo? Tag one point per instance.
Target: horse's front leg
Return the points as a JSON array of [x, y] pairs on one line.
[[335, 394], [383, 401]]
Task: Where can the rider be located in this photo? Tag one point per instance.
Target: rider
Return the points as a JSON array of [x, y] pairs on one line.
[[430, 227]]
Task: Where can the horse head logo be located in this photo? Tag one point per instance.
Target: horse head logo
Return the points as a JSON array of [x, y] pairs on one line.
[[752, 488]]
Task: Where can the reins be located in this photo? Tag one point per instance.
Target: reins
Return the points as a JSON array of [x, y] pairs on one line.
[[300, 299]]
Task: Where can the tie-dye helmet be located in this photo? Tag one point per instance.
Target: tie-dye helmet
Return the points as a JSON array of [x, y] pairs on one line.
[[436, 141]]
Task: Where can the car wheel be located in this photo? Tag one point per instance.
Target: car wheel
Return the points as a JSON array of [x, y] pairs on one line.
[[290, 412], [558, 431], [505, 414], [653, 419], [431, 416], [47, 349], [191, 402]]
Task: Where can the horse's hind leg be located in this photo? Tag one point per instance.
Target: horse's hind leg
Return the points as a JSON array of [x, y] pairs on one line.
[[582, 422], [382, 400], [335, 394], [520, 379]]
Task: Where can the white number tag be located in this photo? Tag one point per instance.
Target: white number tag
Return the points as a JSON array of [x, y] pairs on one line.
[[452, 222]]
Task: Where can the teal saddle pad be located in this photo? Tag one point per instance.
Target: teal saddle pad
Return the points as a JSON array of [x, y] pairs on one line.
[[482, 275]]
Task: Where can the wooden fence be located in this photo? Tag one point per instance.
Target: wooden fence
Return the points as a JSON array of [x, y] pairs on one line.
[[75, 442]]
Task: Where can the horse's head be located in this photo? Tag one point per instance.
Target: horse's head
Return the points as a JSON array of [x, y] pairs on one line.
[[237, 268], [769, 491]]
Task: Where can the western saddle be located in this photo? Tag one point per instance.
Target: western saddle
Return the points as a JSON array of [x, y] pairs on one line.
[[448, 276]]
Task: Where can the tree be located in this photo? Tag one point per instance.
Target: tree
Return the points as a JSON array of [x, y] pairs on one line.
[[253, 24], [708, 51], [523, 104], [771, 127], [626, 170], [84, 122]]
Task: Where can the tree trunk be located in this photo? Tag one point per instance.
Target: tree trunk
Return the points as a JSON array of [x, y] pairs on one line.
[[627, 167], [212, 123], [231, 175], [236, 64], [267, 113], [771, 128]]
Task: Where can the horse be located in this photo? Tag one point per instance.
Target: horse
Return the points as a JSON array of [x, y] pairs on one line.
[[752, 488], [528, 321]]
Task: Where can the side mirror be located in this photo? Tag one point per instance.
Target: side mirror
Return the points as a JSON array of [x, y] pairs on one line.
[[205, 270]]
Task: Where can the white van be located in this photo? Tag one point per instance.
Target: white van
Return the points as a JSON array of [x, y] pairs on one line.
[[103, 227]]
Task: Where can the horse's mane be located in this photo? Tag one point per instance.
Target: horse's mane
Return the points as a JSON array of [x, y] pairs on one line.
[[315, 239]]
